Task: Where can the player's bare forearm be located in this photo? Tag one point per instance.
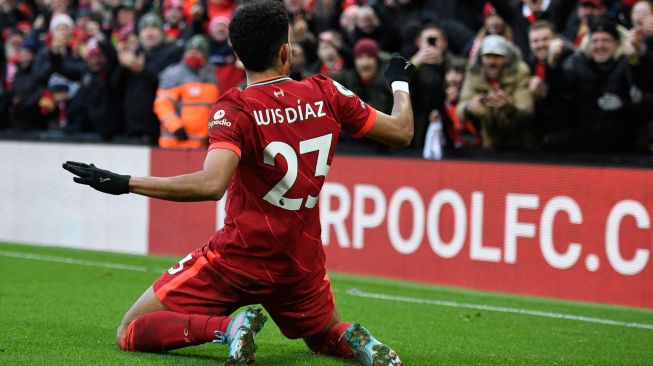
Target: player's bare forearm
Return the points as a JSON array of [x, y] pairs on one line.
[[397, 129], [208, 184], [402, 112], [182, 188]]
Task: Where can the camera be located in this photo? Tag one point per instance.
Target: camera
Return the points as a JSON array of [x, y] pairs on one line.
[[432, 40]]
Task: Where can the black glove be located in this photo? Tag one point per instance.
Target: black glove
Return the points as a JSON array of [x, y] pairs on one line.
[[399, 69], [102, 180], [181, 134]]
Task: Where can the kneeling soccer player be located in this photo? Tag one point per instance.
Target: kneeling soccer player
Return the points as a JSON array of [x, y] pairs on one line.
[[271, 146]]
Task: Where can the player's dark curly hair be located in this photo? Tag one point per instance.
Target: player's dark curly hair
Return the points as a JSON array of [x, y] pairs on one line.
[[257, 30]]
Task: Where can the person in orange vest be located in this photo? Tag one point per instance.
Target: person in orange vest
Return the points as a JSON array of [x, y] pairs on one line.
[[187, 90]]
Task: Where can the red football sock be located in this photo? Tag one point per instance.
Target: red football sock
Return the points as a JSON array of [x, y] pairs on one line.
[[334, 342], [161, 331]]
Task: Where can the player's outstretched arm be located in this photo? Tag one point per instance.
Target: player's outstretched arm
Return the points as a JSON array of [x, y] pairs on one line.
[[396, 130], [208, 184]]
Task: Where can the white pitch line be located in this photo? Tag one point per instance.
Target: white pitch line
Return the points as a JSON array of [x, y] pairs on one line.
[[352, 292], [500, 309], [81, 262]]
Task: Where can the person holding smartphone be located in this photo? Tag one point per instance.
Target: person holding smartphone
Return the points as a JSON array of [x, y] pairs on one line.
[[432, 60]]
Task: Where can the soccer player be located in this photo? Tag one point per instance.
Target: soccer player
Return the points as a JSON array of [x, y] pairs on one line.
[[271, 146]]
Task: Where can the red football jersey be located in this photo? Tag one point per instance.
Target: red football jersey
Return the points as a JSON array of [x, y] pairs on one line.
[[285, 133]]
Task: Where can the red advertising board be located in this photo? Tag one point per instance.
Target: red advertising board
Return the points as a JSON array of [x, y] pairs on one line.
[[178, 228], [558, 231]]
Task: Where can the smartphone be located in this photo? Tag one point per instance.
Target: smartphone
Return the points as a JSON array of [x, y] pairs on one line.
[[432, 41]]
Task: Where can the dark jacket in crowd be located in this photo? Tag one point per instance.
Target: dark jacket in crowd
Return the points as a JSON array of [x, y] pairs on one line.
[[101, 96], [427, 94], [643, 76], [4, 97], [97, 94], [551, 122], [603, 105], [387, 35], [139, 91], [376, 93], [25, 95], [557, 13], [47, 63]]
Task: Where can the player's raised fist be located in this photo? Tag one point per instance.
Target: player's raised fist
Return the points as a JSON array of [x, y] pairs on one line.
[[399, 69], [100, 179]]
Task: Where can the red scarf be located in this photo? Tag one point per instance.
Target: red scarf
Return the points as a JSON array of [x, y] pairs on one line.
[[540, 70]]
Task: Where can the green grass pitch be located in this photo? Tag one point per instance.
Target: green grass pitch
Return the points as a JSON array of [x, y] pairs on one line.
[[62, 306]]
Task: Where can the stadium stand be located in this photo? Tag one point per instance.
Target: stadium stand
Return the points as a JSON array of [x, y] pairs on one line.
[[89, 70]]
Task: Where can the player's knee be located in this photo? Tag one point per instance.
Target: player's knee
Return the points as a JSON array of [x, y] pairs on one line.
[[123, 337], [120, 333]]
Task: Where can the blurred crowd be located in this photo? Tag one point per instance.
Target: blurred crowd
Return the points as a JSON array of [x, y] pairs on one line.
[[500, 75]]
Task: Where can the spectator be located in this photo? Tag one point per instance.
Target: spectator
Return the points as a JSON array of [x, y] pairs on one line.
[[298, 67], [602, 102], [222, 56], [174, 23], [138, 77], [324, 14], [187, 90], [4, 97], [347, 23], [24, 97], [549, 110], [378, 24], [329, 59], [124, 17], [641, 39], [520, 15], [302, 27], [495, 94], [60, 57], [97, 93], [366, 80], [577, 26], [197, 21], [15, 38], [431, 60], [80, 35], [639, 52], [55, 106], [13, 13], [493, 24], [641, 45], [641, 17], [460, 134]]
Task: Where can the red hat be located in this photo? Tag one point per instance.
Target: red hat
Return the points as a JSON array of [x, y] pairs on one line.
[[366, 46], [488, 9]]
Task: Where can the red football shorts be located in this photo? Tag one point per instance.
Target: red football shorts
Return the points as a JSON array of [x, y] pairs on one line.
[[199, 284]]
